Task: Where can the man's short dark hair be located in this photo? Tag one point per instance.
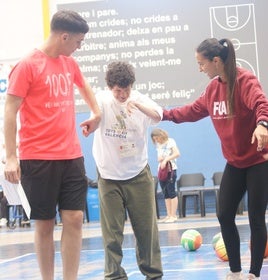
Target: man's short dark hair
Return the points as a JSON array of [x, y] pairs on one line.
[[69, 21]]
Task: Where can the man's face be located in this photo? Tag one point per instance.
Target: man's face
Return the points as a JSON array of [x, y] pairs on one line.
[[72, 42]]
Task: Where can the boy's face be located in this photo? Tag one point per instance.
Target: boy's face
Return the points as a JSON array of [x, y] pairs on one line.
[[121, 94]]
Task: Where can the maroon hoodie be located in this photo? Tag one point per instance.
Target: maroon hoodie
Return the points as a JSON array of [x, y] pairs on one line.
[[251, 106]]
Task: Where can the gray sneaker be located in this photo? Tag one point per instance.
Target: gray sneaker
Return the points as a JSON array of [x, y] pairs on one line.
[[234, 276], [252, 276]]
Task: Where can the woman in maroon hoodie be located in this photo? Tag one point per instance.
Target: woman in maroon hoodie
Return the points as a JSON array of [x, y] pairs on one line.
[[238, 108]]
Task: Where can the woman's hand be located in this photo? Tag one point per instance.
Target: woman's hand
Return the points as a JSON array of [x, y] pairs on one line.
[[260, 135]]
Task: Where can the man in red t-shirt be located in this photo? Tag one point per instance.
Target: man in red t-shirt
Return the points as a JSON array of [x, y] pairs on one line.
[[51, 167]]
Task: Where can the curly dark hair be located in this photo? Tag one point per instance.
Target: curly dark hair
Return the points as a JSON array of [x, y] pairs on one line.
[[120, 74]]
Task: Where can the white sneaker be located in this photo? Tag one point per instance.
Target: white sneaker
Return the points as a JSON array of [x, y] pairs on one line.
[[171, 220], [234, 276], [252, 276], [164, 219], [3, 222]]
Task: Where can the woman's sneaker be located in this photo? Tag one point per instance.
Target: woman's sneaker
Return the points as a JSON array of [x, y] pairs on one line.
[[171, 219], [252, 276], [235, 276], [165, 219]]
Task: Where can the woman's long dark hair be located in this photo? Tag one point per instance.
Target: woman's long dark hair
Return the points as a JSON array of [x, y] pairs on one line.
[[224, 49]]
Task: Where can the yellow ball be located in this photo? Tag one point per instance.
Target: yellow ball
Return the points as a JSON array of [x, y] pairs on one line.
[[215, 239], [191, 240], [221, 250]]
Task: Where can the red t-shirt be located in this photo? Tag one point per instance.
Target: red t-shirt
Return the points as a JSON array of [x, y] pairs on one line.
[[47, 113]]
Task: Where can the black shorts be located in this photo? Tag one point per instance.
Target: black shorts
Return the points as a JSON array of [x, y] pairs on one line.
[[48, 183]]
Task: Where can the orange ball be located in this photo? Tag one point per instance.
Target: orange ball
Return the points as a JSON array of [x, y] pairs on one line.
[[220, 250], [266, 249]]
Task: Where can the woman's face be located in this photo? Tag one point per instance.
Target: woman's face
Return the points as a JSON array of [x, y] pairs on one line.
[[210, 67]]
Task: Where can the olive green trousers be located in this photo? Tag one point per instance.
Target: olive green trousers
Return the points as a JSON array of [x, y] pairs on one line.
[[136, 198]]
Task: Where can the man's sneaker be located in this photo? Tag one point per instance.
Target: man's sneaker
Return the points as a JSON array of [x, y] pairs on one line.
[[252, 276], [3, 222], [234, 276]]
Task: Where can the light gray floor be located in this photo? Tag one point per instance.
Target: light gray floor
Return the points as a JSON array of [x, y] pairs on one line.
[[17, 258]]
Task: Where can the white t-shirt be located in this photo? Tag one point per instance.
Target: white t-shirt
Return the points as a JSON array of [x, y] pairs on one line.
[[166, 149], [120, 145]]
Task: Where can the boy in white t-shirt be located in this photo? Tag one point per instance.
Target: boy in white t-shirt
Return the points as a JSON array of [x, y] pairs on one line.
[[125, 181]]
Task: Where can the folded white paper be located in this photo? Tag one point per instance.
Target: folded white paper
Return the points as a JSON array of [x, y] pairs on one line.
[[15, 195]]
